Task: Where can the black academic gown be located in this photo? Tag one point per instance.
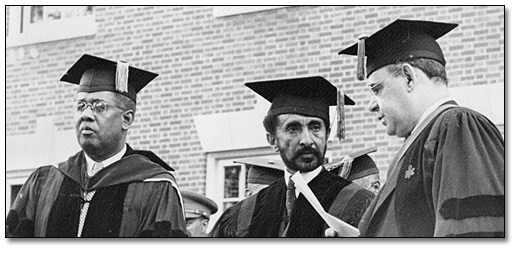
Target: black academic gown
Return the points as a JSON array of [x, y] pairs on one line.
[[449, 182], [134, 197], [269, 210]]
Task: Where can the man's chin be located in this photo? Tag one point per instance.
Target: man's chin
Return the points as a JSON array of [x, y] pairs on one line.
[[307, 167], [88, 145]]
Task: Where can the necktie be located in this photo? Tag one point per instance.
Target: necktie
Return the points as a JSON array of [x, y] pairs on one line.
[[87, 197], [290, 197]]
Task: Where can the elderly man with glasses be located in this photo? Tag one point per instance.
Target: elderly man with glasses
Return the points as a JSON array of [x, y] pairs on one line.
[[447, 180], [107, 189]]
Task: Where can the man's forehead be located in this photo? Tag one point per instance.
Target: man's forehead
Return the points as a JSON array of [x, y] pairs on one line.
[[100, 95], [289, 118], [377, 76]]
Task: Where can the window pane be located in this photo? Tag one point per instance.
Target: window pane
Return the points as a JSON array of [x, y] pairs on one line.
[[71, 11], [53, 12], [231, 181], [36, 14], [248, 168], [87, 10]]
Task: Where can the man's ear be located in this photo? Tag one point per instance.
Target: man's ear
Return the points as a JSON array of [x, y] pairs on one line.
[[272, 141], [204, 226], [128, 119], [411, 75]]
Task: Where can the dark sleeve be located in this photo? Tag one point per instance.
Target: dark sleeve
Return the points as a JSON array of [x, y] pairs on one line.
[[226, 225], [351, 203], [468, 176], [153, 208], [21, 217]]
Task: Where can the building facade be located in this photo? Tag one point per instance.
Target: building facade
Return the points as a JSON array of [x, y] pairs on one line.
[[198, 115]]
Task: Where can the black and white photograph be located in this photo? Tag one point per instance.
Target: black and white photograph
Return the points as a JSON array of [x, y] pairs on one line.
[[205, 122]]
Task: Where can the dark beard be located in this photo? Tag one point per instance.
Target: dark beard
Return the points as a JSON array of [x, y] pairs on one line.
[[305, 167]]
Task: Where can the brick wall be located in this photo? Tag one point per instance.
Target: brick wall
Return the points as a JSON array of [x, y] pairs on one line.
[[204, 62]]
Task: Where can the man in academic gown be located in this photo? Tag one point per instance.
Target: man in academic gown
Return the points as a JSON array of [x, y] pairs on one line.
[[298, 127], [107, 189], [447, 180]]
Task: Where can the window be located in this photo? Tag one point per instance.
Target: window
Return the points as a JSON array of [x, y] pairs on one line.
[[226, 180], [234, 185], [47, 13], [36, 24]]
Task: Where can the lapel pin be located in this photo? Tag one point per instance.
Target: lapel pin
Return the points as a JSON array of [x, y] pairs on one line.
[[409, 172]]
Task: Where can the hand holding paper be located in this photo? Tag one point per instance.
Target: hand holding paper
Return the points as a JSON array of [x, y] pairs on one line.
[[342, 228]]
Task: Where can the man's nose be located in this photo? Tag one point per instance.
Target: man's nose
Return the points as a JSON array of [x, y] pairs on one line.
[[373, 106], [306, 138], [87, 114]]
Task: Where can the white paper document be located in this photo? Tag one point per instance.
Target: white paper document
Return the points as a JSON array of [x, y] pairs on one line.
[[342, 228]]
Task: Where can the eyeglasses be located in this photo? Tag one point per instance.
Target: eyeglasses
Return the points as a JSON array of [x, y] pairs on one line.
[[375, 185], [98, 107], [376, 87]]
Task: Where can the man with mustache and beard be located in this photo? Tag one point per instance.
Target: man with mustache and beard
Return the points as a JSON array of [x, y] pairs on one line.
[[107, 189], [298, 127]]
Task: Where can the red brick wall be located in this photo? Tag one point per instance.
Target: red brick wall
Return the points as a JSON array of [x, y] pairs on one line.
[[204, 62]]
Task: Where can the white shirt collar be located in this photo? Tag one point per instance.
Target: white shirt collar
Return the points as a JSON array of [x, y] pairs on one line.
[[307, 176], [106, 163], [430, 109]]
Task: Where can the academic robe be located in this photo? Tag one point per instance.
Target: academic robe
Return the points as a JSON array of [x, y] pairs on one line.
[[134, 198], [269, 209], [448, 183]]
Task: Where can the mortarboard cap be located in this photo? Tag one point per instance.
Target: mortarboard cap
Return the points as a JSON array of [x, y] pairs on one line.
[[362, 166], [262, 170], [309, 96], [356, 165], [154, 158], [196, 205], [94, 74], [399, 41]]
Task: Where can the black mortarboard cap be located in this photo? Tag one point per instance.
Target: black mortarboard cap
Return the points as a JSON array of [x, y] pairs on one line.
[[362, 166], [356, 165], [95, 74], [309, 96], [399, 41], [262, 170], [154, 158]]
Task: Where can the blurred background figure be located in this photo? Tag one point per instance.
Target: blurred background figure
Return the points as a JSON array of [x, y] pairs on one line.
[[359, 168], [261, 172], [198, 210]]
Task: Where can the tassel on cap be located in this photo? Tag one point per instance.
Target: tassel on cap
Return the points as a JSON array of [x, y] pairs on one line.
[[346, 167], [122, 76], [361, 66], [340, 111]]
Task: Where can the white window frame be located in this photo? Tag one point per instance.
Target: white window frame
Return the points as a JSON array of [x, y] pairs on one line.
[[46, 31], [215, 163], [14, 178], [223, 163]]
